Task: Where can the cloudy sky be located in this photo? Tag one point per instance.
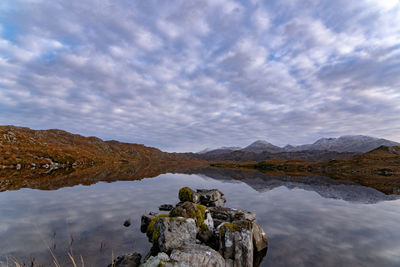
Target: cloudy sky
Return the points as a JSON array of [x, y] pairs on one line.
[[185, 75]]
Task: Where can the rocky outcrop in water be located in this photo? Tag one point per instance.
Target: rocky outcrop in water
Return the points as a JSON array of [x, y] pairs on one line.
[[200, 231]]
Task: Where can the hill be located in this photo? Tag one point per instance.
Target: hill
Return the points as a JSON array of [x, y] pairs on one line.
[[51, 149]]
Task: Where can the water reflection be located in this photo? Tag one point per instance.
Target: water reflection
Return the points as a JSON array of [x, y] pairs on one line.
[[324, 186], [306, 225]]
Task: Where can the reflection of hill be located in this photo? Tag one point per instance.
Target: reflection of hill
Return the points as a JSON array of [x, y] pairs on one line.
[[324, 186], [39, 179]]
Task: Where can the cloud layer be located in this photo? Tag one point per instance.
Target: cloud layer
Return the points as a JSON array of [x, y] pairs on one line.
[[182, 75]]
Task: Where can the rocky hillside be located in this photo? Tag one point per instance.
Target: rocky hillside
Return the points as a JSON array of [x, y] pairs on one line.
[[22, 147]]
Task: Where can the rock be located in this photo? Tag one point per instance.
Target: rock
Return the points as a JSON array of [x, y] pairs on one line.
[[197, 212], [258, 257], [129, 260], [211, 197], [187, 194], [145, 221], [173, 232], [197, 255], [228, 237], [127, 223], [259, 237], [166, 207], [200, 214], [236, 243], [161, 259], [222, 214]]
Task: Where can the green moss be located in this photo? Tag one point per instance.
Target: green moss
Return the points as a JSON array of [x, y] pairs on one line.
[[190, 210], [185, 194], [155, 235], [200, 214], [231, 226], [151, 230]]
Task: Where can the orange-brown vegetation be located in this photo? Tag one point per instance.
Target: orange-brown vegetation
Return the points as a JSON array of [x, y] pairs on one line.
[[25, 148]]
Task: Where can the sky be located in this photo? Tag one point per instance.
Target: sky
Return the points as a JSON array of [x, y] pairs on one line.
[[185, 75]]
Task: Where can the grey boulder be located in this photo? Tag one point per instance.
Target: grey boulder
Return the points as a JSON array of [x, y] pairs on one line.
[[197, 255], [173, 232]]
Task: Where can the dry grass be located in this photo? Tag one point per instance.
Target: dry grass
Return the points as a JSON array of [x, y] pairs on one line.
[[14, 262]]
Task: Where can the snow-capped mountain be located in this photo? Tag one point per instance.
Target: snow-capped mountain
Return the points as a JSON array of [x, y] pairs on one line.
[[221, 150], [347, 143]]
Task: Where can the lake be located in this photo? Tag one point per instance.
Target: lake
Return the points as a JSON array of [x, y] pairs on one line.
[[309, 221]]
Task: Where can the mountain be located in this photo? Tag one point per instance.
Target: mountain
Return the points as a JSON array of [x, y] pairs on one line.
[[240, 155], [261, 146], [221, 150], [344, 144], [347, 143], [51, 149]]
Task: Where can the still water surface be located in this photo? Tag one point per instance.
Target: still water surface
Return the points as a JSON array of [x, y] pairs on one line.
[[308, 224]]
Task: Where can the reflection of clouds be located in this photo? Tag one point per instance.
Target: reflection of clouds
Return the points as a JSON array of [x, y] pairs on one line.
[[324, 186], [303, 227]]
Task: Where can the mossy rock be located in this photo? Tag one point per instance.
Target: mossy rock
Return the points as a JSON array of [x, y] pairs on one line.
[[152, 232], [190, 210], [236, 226], [187, 194]]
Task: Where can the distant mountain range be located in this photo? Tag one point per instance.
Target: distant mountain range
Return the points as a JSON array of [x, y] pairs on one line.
[[347, 143]]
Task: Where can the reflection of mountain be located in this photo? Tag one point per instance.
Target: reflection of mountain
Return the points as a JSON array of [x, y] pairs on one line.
[[324, 186], [39, 179]]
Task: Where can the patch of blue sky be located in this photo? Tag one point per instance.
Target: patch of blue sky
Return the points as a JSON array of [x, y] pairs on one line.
[[9, 32], [7, 6], [101, 95], [48, 56], [8, 29]]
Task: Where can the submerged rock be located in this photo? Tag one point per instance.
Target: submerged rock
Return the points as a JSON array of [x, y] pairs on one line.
[[166, 207], [127, 223]]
